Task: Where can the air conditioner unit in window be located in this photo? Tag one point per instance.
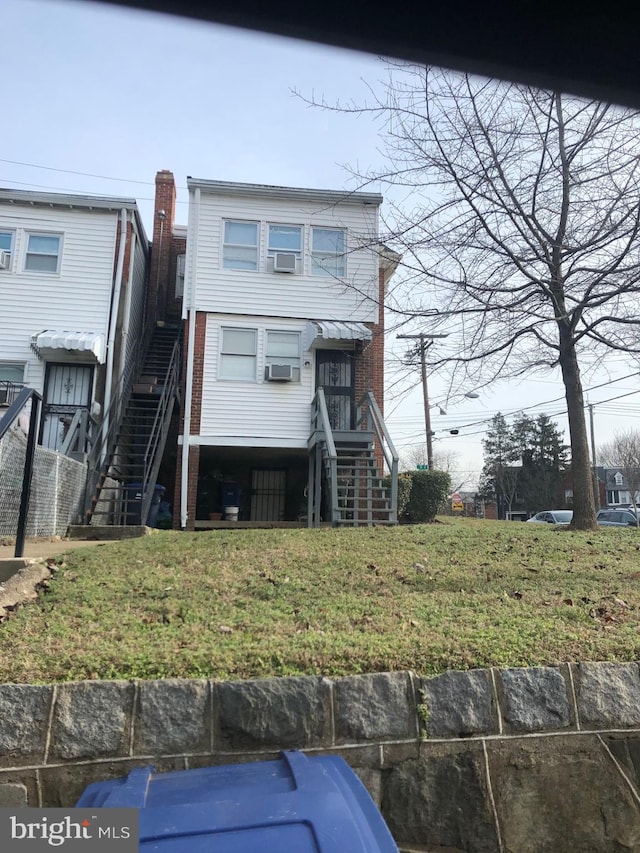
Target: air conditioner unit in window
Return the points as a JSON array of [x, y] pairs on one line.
[[5, 260], [284, 262], [279, 373]]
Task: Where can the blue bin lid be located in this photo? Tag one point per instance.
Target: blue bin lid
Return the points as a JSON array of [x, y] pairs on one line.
[[295, 804]]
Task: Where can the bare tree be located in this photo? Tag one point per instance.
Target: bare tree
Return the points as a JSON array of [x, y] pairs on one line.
[[623, 453], [519, 230], [443, 460]]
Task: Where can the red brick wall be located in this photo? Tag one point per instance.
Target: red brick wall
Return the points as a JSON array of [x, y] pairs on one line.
[[161, 273]]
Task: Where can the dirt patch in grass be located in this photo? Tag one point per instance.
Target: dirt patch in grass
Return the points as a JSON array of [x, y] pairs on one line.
[[233, 604]]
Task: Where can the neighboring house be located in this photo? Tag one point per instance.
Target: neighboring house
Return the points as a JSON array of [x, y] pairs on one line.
[[618, 492], [73, 274], [283, 295]]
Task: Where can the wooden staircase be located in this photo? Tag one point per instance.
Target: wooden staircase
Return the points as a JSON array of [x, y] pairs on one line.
[[123, 486], [346, 485]]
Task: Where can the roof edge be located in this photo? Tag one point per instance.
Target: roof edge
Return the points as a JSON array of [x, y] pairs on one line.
[[273, 191], [7, 194]]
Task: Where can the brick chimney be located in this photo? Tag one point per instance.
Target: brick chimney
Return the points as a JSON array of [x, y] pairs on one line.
[[163, 220]]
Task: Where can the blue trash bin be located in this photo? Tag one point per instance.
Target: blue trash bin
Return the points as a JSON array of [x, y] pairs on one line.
[[295, 804], [133, 509]]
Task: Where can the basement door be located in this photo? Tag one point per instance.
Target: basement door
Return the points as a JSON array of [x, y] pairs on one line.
[[268, 489], [335, 374], [67, 388]]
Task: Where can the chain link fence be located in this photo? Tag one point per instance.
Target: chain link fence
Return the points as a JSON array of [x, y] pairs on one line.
[[57, 488]]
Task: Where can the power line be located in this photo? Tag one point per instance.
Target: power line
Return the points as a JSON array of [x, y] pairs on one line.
[[70, 190], [73, 172]]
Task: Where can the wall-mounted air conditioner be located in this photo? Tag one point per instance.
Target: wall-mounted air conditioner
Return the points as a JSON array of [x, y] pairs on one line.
[[5, 260], [284, 262], [279, 373]]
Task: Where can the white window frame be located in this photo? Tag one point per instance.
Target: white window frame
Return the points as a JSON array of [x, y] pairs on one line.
[[180, 268], [272, 250], [10, 250], [274, 358], [27, 253], [230, 355], [14, 364], [231, 246], [333, 259]]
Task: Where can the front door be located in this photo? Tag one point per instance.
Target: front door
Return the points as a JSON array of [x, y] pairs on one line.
[[268, 492], [335, 374], [67, 389]]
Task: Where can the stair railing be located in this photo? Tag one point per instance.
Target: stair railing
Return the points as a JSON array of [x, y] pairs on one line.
[[321, 435], [159, 432], [100, 456], [369, 417]]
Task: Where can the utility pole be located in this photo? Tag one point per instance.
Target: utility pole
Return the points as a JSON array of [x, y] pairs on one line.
[[596, 485], [425, 342]]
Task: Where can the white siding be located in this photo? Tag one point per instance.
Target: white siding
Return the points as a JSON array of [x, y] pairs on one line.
[[260, 413], [280, 294], [75, 299], [138, 297]]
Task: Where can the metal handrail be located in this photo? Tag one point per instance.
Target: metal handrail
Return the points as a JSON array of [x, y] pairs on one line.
[[101, 452], [12, 414], [373, 418], [321, 430], [11, 391], [159, 431]]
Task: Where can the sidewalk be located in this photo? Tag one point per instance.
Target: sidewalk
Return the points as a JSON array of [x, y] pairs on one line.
[[44, 548]]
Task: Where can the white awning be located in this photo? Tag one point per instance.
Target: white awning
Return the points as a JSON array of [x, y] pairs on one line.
[[77, 342], [333, 330]]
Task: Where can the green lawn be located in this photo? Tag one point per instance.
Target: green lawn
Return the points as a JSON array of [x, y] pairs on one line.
[[235, 604]]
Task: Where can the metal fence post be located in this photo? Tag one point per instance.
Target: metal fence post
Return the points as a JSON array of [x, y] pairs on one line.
[[27, 475]]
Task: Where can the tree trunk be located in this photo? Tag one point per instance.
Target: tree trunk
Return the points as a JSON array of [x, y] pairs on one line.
[[584, 512]]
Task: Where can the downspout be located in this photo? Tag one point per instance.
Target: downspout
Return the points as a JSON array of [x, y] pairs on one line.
[[189, 311], [115, 301]]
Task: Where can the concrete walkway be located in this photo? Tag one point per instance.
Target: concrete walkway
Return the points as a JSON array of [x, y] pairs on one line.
[[45, 548]]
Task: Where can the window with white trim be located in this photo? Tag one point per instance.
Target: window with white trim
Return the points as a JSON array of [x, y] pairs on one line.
[[283, 348], [240, 245], [238, 354], [617, 496], [43, 253], [328, 252], [180, 261], [286, 239], [6, 246]]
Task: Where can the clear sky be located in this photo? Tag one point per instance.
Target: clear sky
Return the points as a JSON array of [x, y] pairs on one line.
[[119, 94]]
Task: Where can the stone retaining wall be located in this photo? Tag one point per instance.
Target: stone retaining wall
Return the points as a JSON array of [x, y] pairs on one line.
[[485, 761]]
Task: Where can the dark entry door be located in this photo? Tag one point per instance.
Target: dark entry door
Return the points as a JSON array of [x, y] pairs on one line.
[[67, 389], [335, 374], [268, 492]]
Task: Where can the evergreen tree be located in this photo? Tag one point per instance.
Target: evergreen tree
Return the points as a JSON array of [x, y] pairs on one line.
[[544, 459], [500, 474]]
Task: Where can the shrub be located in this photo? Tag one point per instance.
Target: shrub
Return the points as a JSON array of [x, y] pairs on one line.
[[429, 490], [404, 491]]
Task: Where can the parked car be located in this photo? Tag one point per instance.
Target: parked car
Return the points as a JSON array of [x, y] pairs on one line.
[[553, 516], [616, 518]]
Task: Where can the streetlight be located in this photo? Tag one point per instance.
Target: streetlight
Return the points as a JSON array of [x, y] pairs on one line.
[[423, 346]]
